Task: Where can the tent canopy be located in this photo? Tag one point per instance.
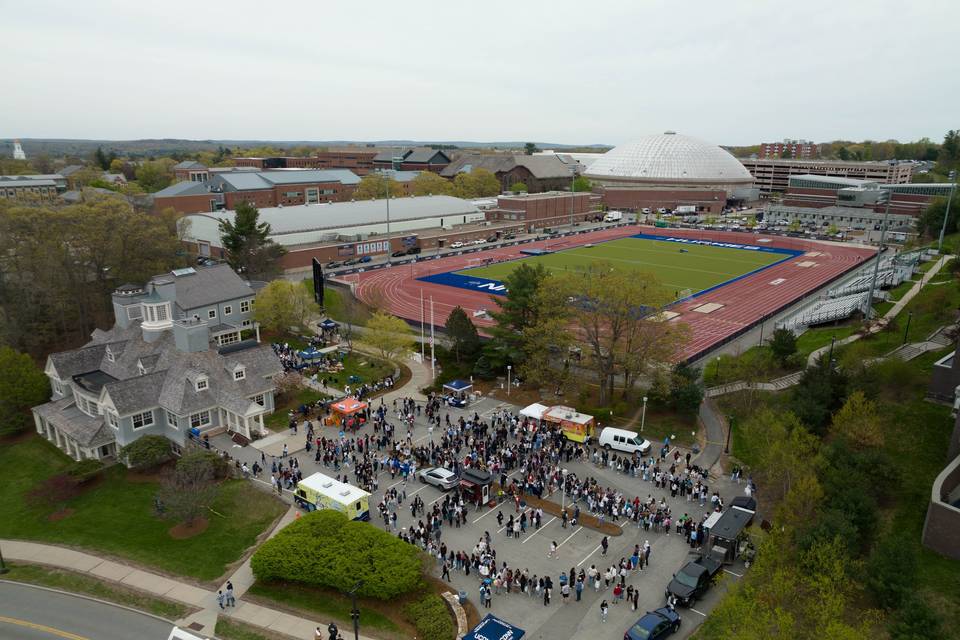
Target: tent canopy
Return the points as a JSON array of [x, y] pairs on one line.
[[348, 406], [458, 385], [535, 411], [327, 324], [310, 353], [492, 627]]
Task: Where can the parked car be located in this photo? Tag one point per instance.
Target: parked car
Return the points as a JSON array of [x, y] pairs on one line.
[[492, 239], [693, 580], [398, 254], [412, 251], [510, 236], [333, 264], [439, 477], [456, 245], [366, 259], [654, 625], [351, 262], [623, 440], [475, 242]]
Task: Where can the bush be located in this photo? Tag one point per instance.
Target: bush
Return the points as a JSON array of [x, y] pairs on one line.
[[783, 344], [916, 620], [147, 452], [84, 470], [891, 570], [325, 549], [431, 617]]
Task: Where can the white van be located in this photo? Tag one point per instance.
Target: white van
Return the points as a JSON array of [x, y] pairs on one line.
[[623, 440]]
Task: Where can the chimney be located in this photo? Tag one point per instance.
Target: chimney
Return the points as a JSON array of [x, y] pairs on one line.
[[191, 335]]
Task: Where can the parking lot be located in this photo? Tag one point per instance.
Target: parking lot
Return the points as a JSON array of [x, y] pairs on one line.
[[578, 547]]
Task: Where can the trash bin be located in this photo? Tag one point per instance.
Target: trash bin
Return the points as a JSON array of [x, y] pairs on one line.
[[695, 449], [462, 597]]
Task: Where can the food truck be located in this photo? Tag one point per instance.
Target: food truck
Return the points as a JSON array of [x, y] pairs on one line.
[[475, 484], [323, 492], [348, 413], [576, 426]]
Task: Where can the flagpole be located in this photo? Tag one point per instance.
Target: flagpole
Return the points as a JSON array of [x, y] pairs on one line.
[[423, 354], [433, 360]]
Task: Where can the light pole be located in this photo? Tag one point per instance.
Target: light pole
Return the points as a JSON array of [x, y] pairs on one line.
[[508, 378], [3, 567], [953, 187], [386, 182], [643, 416], [718, 369], [573, 190], [876, 265], [726, 447], [833, 340], [907, 329], [563, 489], [355, 613]]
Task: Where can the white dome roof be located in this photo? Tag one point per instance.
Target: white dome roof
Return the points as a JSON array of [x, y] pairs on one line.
[[670, 158]]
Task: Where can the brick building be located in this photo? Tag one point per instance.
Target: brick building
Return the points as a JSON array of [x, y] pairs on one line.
[[552, 208], [260, 188], [356, 159], [773, 175], [540, 173], [415, 159], [191, 171], [799, 149], [825, 191]]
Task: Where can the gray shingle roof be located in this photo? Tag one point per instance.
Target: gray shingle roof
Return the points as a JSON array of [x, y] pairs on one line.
[[189, 164], [68, 419], [135, 394], [426, 154], [183, 189], [300, 176], [71, 363], [540, 166], [208, 285]]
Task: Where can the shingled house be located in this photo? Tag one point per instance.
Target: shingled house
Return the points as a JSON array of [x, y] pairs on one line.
[[173, 363]]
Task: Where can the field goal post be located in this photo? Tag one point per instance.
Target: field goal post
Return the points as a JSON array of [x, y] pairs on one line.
[[684, 294], [473, 263]]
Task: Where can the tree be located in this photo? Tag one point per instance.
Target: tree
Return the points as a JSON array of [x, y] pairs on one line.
[[582, 183], [389, 335], [147, 452], [282, 305], [22, 386], [891, 570], [427, 184], [858, 422], [949, 157], [103, 159], [819, 393], [517, 311], [931, 220], [466, 340], [518, 187], [778, 447], [374, 186], [783, 344], [154, 175], [686, 391], [191, 488], [479, 183], [246, 241], [530, 149], [116, 165]]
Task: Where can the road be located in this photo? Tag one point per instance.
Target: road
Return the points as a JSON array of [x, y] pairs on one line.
[[28, 613]]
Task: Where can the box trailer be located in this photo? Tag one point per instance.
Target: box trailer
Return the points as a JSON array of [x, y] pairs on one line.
[[320, 491]]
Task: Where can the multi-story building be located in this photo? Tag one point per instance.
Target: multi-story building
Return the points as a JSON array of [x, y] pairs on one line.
[[552, 208], [538, 173], [356, 159], [825, 191], [281, 188], [191, 171], [45, 186], [799, 149], [173, 364], [773, 175], [415, 159]]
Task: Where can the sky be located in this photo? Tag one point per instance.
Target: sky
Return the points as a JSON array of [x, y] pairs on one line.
[[729, 71]]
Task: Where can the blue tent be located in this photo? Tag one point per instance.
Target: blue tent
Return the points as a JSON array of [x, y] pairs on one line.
[[327, 324], [310, 353], [493, 628], [458, 385]]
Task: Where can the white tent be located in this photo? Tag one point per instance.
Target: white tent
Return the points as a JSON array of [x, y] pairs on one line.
[[180, 634], [535, 411]]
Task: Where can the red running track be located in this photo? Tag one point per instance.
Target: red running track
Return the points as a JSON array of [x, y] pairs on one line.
[[743, 303]]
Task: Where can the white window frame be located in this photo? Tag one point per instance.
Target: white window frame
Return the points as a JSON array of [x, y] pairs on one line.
[[134, 312], [110, 356], [173, 420], [228, 310], [228, 338], [202, 384], [113, 420], [244, 306], [211, 314], [146, 419], [246, 323], [240, 374], [57, 386], [198, 417], [260, 399], [142, 369]]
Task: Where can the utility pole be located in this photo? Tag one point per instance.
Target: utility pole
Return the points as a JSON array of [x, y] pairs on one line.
[[573, 191], [876, 265], [355, 613], [423, 355], [953, 187], [433, 360]]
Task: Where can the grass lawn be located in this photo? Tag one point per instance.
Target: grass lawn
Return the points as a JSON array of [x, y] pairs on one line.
[[678, 267], [91, 586], [277, 421], [228, 629], [115, 516], [367, 368], [897, 292], [330, 604], [813, 339]]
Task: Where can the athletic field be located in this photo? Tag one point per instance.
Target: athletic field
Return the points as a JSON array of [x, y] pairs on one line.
[[678, 266]]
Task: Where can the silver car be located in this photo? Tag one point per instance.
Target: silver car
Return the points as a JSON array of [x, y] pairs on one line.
[[440, 478]]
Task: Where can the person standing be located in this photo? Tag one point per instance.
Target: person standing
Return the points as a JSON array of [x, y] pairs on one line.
[[220, 599], [553, 550], [565, 592], [604, 545], [579, 587], [228, 596], [604, 609]]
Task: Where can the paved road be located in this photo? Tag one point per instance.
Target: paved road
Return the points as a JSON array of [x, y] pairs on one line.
[[28, 613]]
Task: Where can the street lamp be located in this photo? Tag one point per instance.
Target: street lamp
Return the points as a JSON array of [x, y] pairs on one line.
[[953, 187], [573, 190], [643, 417], [726, 447], [718, 369], [563, 490], [3, 567], [509, 367], [355, 613]]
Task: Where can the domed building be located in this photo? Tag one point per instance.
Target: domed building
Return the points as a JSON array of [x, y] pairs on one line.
[[669, 171]]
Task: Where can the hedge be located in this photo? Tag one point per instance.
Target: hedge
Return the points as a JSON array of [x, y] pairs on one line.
[[431, 617], [325, 549]]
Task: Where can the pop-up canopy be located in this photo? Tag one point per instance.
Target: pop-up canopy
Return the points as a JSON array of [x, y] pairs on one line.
[[327, 324], [458, 386], [348, 406], [535, 411], [493, 627]]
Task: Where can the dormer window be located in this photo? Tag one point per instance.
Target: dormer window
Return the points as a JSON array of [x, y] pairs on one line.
[[110, 357], [240, 374], [157, 315], [142, 369], [202, 384]]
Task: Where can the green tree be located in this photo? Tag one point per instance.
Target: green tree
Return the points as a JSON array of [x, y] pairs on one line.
[[22, 386], [154, 175], [891, 570], [783, 344], [466, 340], [582, 183], [191, 488], [282, 305], [427, 183], [389, 335], [518, 187], [819, 393], [949, 157], [246, 241], [931, 220], [516, 312], [686, 391], [147, 452], [530, 148], [103, 159], [374, 186], [858, 421], [479, 183]]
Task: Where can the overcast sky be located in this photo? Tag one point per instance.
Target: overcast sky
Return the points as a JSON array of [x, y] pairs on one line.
[[732, 72]]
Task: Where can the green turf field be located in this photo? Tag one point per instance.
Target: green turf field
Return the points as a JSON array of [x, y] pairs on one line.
[[701, 267]]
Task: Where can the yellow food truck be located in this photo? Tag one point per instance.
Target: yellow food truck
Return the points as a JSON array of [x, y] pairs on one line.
[[576, 426], [323, 492]]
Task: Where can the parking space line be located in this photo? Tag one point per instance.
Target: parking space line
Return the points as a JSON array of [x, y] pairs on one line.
[[417, 491], [484, 515], [699, 613], [739, 575], [536, 531], [588, 556], [579, 529], [442, 496]]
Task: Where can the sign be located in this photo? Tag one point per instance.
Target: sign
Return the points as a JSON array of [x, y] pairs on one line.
[[317, 282], [381, 246], [493, 628], [345, 250]]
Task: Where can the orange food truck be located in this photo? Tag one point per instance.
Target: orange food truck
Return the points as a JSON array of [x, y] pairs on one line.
[[576, 426]]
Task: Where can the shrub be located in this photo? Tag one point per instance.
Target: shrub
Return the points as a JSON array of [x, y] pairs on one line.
[[431, 617], [147, 452], [891, 570], [783, 344], [84, 470], [325, 549]]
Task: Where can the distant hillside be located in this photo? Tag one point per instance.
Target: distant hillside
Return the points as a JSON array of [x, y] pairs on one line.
[[57, 147]]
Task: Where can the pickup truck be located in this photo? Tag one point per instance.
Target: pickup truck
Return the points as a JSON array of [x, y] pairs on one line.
[[693, 580]]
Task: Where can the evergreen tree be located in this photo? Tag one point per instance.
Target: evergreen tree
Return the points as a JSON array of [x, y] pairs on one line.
[[247, 243], [466, 340]]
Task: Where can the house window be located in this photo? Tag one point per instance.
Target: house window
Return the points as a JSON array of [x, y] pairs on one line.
[[142, 369], [110, 357], [199, 419], [239, 374], [201, 384], [259, 399], [244, 306], [173, 420], [112, 420], [141, 420], [246, 323], [229, 338], [212, 314], [161, 312], [135, 312], [57, 387], [228, 310]]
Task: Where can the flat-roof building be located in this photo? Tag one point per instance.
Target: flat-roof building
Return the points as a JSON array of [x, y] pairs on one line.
[[773, 175], [824, 191]]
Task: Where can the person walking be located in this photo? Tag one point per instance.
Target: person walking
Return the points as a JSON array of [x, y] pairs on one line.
[[220, 599], [604, 545], [553, 550], [604, 609], [228, 596]]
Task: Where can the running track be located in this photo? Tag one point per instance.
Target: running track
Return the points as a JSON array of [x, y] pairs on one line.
[[744, 302]]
